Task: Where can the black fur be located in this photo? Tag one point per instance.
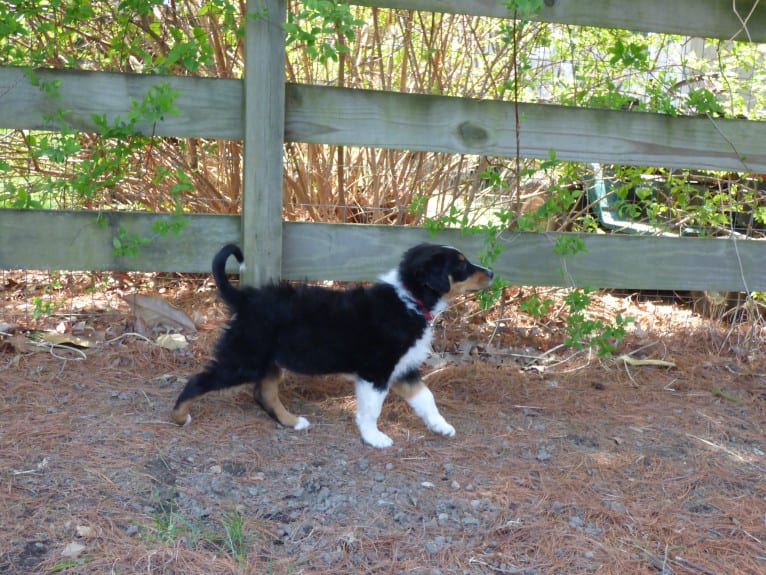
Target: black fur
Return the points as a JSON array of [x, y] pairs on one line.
[[363, 331]]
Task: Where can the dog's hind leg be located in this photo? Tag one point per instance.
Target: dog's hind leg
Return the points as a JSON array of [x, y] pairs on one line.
[[216, 376], [422, 402], [211, 379], [266, 393]]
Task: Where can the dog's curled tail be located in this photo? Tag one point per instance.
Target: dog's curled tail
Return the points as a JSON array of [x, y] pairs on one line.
[[229, 293]]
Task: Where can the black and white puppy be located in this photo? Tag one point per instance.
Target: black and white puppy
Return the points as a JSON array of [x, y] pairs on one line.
[[379, 335]]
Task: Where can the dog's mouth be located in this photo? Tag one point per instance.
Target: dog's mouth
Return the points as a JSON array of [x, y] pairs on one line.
[[474, 283]]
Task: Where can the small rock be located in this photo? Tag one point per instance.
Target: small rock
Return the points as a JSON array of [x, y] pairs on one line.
[[73, 550], [220, 487], [616, 506], [402, 518], [349, 541], [330, 558], [363, 464], [576, 522], [454, 485], [435, 545], [591, 529], [542, 454], [235, 468], [131, 530], [216, 469], [427, 485], [589, 554]]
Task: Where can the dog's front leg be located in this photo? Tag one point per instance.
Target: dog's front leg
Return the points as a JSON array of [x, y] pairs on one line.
[[422, 402], [369, 403]]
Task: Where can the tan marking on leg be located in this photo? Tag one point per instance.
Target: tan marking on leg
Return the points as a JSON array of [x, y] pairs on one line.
[[407, 390], [422, 402], [268, 397]]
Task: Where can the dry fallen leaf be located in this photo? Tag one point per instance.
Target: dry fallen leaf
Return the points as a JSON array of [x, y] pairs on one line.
[[67, 339], [85, 531], [156, 314], [172, 341]]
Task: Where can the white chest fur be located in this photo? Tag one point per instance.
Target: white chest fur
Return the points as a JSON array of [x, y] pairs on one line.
[[421, 349], [415, 356]]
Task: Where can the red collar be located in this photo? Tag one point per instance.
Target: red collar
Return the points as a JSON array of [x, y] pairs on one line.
[[428, 315]]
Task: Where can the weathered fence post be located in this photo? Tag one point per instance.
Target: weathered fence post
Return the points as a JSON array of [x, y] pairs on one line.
[[264, 118]]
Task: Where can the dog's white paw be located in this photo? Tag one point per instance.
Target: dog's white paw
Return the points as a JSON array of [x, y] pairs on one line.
[[441, 427], [302, 423], [377, 438], [188, 420]]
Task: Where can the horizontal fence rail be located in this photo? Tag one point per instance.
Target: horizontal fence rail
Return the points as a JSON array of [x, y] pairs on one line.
[[213, 108], [348, 116], [347, 252], [700, 18]]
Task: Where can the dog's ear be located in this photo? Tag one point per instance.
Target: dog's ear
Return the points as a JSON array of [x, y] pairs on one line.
[[434, 275]]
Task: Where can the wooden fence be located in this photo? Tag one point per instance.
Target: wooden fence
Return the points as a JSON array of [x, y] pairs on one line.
[[265, 112]]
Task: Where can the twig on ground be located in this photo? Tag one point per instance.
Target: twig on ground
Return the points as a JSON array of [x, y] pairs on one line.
[[510, 570], [694, 566]]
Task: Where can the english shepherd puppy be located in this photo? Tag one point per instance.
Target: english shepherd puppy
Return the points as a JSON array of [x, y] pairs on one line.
[[379, 335]]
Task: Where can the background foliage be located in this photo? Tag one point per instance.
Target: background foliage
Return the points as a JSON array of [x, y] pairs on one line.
[[332, 43]]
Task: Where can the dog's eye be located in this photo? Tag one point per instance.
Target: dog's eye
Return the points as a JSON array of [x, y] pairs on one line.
[[461, 268]]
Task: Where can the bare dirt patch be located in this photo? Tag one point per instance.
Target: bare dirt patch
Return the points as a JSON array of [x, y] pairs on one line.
[[574, 465]]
